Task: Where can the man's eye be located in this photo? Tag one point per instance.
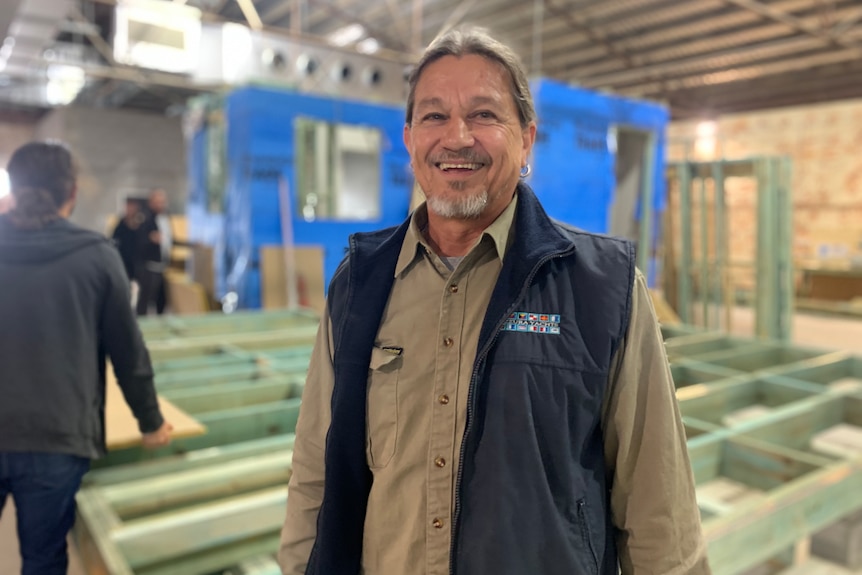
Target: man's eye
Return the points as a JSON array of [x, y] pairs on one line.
[[434, 116]]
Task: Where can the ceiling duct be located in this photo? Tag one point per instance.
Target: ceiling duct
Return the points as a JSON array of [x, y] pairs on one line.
[[36, 71], [234, 54], [184, 53], [32, 29], [157, 35]]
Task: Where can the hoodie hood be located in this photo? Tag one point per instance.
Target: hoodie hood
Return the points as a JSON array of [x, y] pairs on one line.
[[52, 242]]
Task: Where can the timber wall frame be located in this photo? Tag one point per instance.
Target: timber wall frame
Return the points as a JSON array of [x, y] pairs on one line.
[[208, 503]]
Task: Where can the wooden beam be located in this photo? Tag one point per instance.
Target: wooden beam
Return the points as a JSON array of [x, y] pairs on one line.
[[250, 14], [171, 535], [188, 461], [794, 23], [223, 428], [183, 488], [206, 399]]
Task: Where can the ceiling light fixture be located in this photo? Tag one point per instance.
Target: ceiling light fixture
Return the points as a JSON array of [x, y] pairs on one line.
[[346, 35]]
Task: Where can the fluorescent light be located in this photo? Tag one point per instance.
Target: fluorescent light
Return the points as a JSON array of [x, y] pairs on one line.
[[6, 48], [368, 46], [706, 129], [64, 83], [346, 35], [705, 142]]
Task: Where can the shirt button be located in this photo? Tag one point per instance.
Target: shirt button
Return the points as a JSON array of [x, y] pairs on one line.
[[440, 462], [443, 399], [437, 523], [453, 288], [448, 342]]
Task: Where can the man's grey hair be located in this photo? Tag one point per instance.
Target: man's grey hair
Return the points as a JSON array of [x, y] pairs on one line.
[[463, 42]]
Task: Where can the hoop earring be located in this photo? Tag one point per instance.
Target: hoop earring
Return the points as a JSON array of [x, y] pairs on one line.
[[526, 170]]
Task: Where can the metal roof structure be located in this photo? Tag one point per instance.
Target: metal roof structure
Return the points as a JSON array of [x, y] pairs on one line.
[[701, 57]]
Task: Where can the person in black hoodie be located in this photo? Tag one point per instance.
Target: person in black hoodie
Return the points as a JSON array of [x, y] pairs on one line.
[[64, 307]]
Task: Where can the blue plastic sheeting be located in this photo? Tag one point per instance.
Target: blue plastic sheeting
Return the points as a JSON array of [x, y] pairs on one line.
[[573, 166], [573, 172], [260, 151]]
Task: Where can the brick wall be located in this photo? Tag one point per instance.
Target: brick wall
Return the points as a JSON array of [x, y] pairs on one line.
[[824, 143]]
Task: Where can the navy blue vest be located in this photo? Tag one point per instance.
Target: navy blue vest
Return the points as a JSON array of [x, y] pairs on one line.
[[532, 497]]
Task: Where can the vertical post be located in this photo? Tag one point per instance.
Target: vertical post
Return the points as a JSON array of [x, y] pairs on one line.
[[286, 216], [538, 25], [704, 252], [785, 245], [684, 277], [766, 231], [645, 241], [720, 278]]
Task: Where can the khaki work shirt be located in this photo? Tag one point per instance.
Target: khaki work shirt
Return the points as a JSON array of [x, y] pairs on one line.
[[417, 408]]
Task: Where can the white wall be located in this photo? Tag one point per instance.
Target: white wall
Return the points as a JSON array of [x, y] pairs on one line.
[[119, 153]]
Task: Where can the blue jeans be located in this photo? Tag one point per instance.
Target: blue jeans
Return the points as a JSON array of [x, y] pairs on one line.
[[43, 486]]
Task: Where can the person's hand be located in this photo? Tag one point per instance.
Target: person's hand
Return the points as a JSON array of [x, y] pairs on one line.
[[159, 437], [156, 237]]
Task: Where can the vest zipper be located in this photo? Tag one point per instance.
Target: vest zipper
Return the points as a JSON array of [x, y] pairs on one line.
[[586, 533], [480, 357]]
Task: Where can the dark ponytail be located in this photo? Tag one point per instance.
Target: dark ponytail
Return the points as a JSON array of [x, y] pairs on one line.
[[42, 177]]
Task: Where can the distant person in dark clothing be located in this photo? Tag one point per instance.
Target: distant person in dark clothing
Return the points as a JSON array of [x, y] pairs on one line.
[[126, 234], [64, 308], [155, 242]]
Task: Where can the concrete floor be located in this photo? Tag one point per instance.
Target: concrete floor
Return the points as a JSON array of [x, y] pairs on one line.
[[832, 333], [826, 332]]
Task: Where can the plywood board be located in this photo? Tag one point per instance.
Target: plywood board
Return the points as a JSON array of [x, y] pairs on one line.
[[202, 268], [121, 427], [185, 297], [309, 271], [842, 440]]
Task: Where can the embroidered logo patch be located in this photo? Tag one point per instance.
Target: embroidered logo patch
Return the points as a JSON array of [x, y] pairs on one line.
[[529, 322]]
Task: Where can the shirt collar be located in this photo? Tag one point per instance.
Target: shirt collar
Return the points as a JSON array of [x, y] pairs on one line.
[[414, 240]]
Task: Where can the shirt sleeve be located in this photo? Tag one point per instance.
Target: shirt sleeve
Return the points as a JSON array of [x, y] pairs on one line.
[[305, 490], [653, 502]]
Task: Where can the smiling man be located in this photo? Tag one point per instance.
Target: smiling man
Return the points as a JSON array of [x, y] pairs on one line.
[[488, 392]]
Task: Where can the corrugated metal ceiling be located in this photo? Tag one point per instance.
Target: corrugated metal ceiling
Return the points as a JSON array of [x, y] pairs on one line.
[[702, 57]]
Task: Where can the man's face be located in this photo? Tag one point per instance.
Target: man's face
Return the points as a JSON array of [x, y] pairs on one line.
[[158, 202], [466, 142]]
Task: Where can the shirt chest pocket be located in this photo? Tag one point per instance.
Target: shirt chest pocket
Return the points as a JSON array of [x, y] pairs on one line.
[[382, 407]]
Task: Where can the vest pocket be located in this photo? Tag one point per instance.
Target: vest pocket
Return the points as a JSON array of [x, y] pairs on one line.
[[382, 407], [586, 533]]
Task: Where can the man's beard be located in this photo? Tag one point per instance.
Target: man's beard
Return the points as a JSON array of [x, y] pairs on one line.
[[467, 207]]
